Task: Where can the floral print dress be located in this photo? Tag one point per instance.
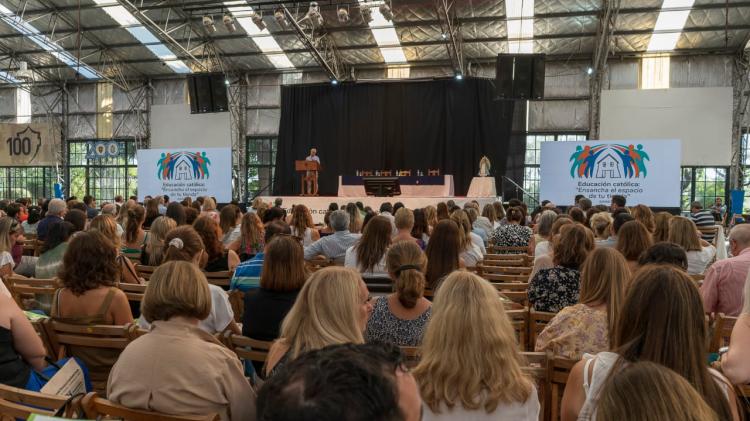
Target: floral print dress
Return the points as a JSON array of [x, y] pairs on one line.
[[575, 330], [510, 235], [553, 289]]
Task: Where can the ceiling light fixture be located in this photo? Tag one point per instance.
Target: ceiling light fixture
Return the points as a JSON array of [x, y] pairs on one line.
[[313, 16], [366, 13], [343, 15], [208, 23], [229, 23], [258, 20]]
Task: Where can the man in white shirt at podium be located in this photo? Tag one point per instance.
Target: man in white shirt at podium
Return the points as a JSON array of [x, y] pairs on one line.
[[312, 176]]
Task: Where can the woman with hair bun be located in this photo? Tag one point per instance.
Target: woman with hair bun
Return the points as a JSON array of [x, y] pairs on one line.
[[401, 317]]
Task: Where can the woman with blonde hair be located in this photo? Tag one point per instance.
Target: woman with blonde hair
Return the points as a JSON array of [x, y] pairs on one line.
[[661, 223], [488, 211], [10, 233], [401, 317], [302, 225], [683, 232], [430, 213], [250, 242], [404, 221], [470, 252], [645, 216], [470, 366], [601, 223], [645, 391], [586, 326], [332, 308], [632, 239], [152, 250], [208, 208]]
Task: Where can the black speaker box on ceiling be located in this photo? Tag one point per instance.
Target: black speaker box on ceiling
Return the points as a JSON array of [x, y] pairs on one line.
[[520, 76], [208, 93]]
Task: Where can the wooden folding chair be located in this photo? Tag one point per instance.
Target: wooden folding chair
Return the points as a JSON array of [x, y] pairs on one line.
[[520, 321], [237, 301], [490, 268], [29, 247], [723, 326], [247, 348], [493, 259], [99, 408], [507, 250], [19, 403], [22, 288], [559, 372], [222, 279], [134, 292], [538, 367], [145, 271], [411, 355], [67, 339], [538, 320], [493, 277], [317, 263]]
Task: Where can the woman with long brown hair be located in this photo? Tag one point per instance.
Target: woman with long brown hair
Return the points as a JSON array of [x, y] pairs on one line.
[[218, 259], [586, 326], [470, 366], [229, 221], [134, 235], [661, 321], [632, 239], [430, 214], [443, 252], [558, 287], [152, 211], [470, 252], [302, 225], [683, 232], [368, 255], [661, 224], [250, 242], [645, 216], [401, 317], [442, 211]]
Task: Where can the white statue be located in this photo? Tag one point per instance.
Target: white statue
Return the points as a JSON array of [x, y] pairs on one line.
[[484, 166]]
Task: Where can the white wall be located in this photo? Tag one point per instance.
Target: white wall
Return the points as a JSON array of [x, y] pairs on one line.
[[700, 117], [172, 126]]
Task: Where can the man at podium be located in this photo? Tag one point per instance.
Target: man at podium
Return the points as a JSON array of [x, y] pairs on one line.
[[311, 177]]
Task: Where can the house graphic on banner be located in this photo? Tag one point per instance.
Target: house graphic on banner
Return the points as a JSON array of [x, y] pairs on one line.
[[183, 170], [608, 167]]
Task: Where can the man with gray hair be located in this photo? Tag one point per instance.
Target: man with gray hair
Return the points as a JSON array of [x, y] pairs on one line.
[[111, 210], [334, 246], [725, 279], [55, 213]]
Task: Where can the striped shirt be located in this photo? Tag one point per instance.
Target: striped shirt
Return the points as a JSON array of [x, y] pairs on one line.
[[703, 219], [247, 274], [332, 246]]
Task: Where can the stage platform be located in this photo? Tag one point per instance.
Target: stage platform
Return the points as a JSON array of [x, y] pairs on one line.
[[319, 205]]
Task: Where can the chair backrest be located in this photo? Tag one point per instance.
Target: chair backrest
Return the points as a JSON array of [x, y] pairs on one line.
[[519, 297], [538, 320], [559, 372], [222, 279], [538, 367], [411, 355], [433, 172], [493, 277], [62, 335], [722, 332], [508, 250], [507, 259], [29, 247], [237, 301], [489, 267], [247, 348], [520, 319], [19, 403], [21, 287], [95, 407], [134, 292], [510, 286], [317, 263], [144, 271]]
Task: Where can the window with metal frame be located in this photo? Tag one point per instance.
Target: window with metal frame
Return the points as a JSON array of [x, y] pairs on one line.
[[533, 158], [261, 165], [704, 184], [31, 182], [103, 178]]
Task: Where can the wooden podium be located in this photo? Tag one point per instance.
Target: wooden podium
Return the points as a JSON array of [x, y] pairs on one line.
[[308, 173]]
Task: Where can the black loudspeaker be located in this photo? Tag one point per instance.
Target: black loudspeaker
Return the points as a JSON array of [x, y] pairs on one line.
[[520, 76], [208, 93]]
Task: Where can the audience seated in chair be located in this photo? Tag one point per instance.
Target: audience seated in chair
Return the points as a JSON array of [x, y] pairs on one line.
[[585, 327], [703, 219], [735, 364], [230, 219], [632, 239], [332, 308], [443, 252], [334, 246], [250, 241], [354, 382], [184, 244], [404, 220], [56, 210], [649, 391], [151, 255], [302, 225], [472, 246], [218, 259], [21, 350], [552, 289], [248, 273], [664, 253], [514, 233], [401, 317], [135, 236], [618, 220], [281, 280], [178, 368], [51, 259], [470, 366], [700, 254], [725, 279], [367, 255], [672, 333]]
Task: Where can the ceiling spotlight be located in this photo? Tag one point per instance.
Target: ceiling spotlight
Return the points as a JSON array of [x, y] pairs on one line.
[[459, 76], [334, 82], [385, 10], [280, 18], [313, 16], [343, 15], [444, 35], [590, 71], [366, 13], [229, 23], [257, 20], [227, 82], [208, 22]]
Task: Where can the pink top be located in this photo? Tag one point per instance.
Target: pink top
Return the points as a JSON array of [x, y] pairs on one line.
[[722, 287]]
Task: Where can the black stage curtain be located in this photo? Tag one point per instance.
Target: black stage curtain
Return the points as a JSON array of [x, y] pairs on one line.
[[445, 124]]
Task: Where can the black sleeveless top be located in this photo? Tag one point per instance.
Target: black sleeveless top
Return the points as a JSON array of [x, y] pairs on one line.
[[13, 369], [219, 264]]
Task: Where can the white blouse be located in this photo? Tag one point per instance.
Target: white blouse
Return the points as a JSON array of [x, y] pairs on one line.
[[378, 271], [517, 411], [698, 260]]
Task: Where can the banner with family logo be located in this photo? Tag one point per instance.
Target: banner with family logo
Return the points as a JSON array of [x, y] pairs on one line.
[[29, 144], [644, 171], [180, 173]]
